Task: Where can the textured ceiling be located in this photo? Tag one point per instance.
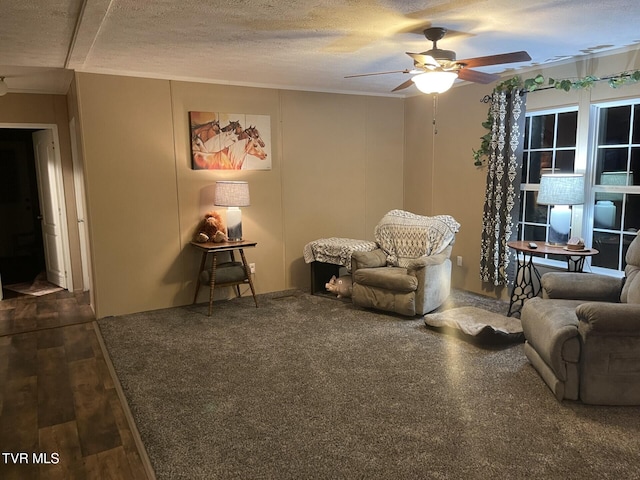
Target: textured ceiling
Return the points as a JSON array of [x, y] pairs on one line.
[[297, 44]]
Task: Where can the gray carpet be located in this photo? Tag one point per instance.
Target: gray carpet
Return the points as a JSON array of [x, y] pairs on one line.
[[308, 387]]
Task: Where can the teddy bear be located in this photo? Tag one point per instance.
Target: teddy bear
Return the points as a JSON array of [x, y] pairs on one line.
[[342, 286], [210, 229]]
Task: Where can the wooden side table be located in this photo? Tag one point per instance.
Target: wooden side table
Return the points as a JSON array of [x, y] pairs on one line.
[[523, 286], [241, 273]]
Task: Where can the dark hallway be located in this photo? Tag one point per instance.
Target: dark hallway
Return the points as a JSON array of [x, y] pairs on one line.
[[21, 245]]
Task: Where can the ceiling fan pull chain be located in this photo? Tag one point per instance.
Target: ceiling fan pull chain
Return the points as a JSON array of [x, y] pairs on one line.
[[435, 113]]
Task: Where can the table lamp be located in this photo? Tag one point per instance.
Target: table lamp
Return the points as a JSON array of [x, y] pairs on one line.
[[561, 190], [232, 195]]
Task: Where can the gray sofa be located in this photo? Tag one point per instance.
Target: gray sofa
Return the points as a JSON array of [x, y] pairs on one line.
[[583, 335]]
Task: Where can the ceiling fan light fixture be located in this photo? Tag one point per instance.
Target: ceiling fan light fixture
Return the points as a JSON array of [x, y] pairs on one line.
[[435, 82], [3, 87]]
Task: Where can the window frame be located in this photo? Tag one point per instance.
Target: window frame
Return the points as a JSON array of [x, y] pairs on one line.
[[535, 187], [592, 189]]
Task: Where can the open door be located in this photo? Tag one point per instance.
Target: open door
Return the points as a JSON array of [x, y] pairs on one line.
[[81, 206], [50, 207]]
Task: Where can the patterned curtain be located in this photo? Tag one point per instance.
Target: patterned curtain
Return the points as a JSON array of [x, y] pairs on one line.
[[502, 197]]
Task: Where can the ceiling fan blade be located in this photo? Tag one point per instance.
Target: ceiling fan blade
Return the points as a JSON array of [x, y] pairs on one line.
[[404, 85], [377, 73], [476, 77], [496, 59], [423, 59]]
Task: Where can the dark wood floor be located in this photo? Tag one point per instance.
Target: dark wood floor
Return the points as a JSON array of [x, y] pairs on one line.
[[60, 413]]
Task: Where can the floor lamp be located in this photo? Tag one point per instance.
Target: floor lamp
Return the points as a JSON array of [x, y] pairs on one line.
[[561, 190], [232, 195]]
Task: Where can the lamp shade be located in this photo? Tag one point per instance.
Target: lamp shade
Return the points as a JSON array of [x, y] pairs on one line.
[[561, 189], [232, 194], [437, 81]]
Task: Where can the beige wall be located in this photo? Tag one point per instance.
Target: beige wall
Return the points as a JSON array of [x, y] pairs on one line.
[[343, 169], [419, 158], [337, 167], [453, 184], [339, 163], [195, 188], [449, 183], [130, 175]]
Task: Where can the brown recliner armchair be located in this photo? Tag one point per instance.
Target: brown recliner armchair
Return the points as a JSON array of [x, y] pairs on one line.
[[410, 272], [583, 335]]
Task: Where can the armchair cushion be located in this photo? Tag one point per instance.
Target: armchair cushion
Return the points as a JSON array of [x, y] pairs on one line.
[[390, 278], [427, 260], [581, 286], [631, 290], [383, 299], [372, 259]]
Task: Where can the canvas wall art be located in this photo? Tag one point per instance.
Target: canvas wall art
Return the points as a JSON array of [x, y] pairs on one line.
[[229, 141]]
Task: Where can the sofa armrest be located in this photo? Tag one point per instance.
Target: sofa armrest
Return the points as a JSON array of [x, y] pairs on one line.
[[581, 286], [603, 318], [434, 281], [372, 259]]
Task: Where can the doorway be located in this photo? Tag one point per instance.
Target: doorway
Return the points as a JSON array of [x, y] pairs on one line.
[[21, 245], [26, 251]]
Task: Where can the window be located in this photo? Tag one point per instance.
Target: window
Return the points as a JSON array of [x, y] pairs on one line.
[[615, 181], [611, 213], [549, 147]]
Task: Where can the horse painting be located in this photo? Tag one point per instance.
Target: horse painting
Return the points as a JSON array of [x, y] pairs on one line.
[[228, 148], [217, 143], [231, 157], [252, 132], [203, 132]]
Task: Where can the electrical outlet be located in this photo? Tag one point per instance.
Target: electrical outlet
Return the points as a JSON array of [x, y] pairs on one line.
[[459, 260], [252, 267]]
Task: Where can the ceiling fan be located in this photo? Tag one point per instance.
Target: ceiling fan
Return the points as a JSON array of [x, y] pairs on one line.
[[436, 65]]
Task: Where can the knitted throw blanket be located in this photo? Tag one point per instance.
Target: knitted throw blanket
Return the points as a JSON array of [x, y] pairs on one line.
[[405, 236], [335, 250]]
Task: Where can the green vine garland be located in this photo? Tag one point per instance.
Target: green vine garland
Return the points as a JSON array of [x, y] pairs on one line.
[[481, 155]]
